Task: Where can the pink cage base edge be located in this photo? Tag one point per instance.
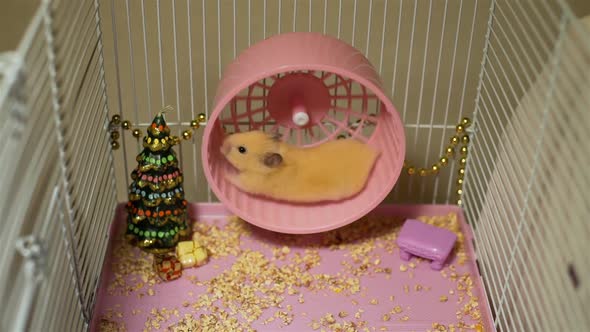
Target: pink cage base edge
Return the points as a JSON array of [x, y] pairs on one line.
[[422, 308]]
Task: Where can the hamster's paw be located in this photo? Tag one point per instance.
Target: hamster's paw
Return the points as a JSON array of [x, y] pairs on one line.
[[233, 179]]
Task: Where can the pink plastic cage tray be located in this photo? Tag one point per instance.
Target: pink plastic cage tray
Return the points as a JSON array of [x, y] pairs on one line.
[[311, 88], [354, 276]]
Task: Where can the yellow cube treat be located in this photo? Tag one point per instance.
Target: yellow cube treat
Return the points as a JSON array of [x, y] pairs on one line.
[[200, 255], [191, 253], [188, 260], [184, 247]]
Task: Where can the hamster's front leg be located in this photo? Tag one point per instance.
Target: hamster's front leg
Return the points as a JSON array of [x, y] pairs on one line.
[[234, 179], [244, 182]]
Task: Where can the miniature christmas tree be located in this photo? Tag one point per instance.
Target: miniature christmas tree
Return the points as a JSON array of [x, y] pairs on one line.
[[157, 216]]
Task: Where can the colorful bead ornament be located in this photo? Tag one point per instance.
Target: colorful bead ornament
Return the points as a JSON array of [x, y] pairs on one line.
[[157, 214]]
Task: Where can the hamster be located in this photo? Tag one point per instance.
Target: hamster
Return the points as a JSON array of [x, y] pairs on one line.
[[266, 166]]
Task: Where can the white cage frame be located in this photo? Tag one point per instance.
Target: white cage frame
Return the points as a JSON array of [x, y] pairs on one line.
[[525, 63]]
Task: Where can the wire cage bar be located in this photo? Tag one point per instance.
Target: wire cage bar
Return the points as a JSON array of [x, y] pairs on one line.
[[521, 194], [55, 117]]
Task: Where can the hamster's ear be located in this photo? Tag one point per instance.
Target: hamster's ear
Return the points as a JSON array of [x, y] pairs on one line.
[[272, 160]]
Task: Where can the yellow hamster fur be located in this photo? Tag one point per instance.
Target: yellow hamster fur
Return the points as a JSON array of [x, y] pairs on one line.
[[267, 166]]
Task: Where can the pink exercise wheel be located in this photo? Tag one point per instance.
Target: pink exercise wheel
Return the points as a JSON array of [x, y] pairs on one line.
[[311, 88]]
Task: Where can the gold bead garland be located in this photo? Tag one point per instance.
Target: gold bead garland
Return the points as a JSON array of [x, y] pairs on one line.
[[113, 128], [434, 169], [126, 125], [116, 119], [450, 152], [187, 134], [464, 150]]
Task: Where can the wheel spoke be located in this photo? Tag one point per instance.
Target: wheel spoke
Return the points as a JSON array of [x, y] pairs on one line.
[[261, 85], [251, 97], [234, 115], [338, 84], [353, 96], [286, 135], [326, 131], [357, 125], [363, 116], [274, 128], [344, 126], [336, 121], [264, 121], [250, 114], [297, 136], [326, 76]]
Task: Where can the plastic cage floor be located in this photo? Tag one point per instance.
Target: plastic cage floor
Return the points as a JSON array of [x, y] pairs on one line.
[[350, 279]]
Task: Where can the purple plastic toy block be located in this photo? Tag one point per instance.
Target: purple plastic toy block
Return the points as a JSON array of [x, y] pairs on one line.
[[417, 238]]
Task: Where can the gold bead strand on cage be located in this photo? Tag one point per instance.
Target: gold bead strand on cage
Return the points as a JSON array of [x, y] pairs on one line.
[[113, 128], [460, 140], [126, 125], [194, 124], [463, 151]]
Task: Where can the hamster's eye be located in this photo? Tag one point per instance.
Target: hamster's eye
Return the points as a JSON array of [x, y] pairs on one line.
[[242, 149]]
